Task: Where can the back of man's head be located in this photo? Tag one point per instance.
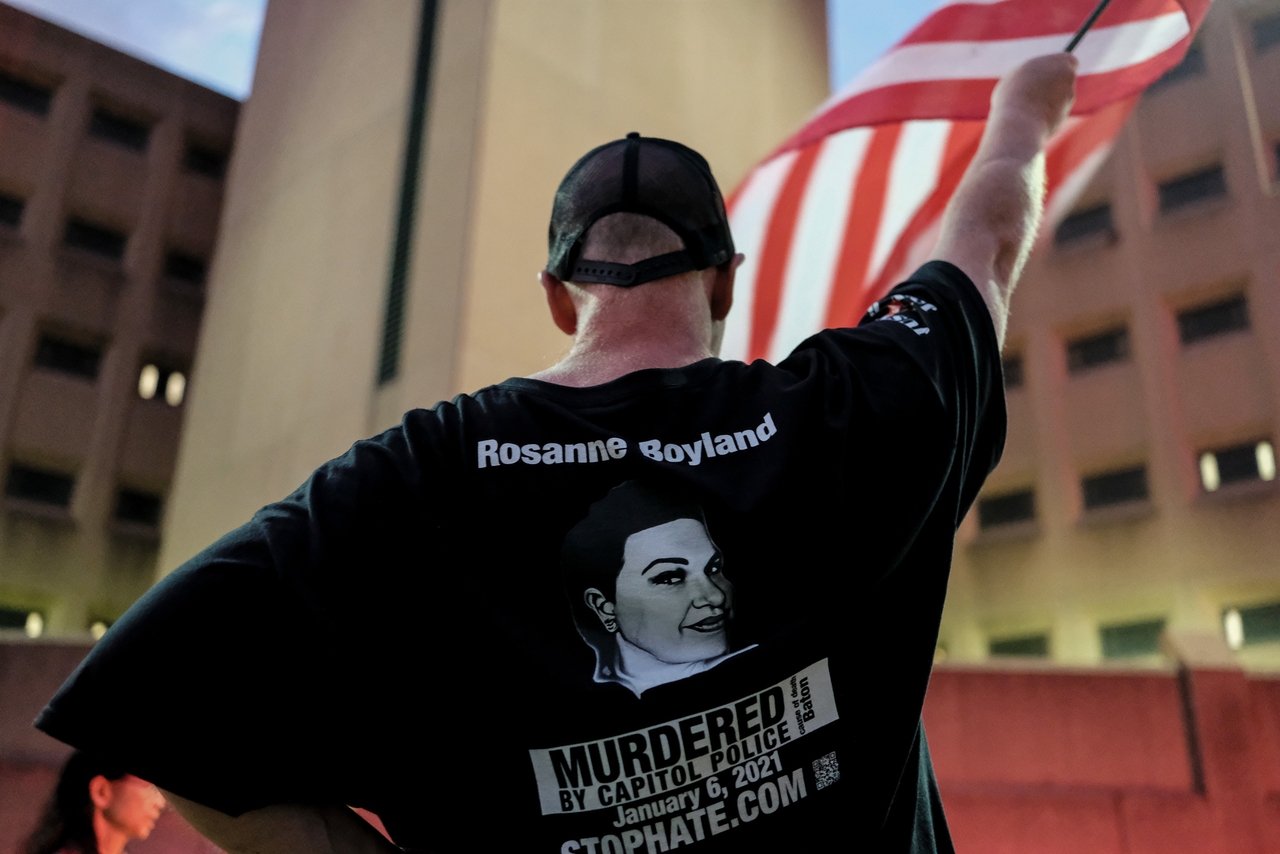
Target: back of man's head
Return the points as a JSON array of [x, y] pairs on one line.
[[675, 223]]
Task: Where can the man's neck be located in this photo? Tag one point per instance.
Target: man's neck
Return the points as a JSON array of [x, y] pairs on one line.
[[589, 364], [111, 839]]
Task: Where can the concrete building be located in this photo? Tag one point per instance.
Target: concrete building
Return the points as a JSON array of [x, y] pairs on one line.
[[1138, 488], [387, 206], [110, 188]]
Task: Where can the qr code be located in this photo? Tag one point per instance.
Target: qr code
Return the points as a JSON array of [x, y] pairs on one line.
[[826, 770]]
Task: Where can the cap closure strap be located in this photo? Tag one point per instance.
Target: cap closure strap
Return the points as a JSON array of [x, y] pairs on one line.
[[630, 275]]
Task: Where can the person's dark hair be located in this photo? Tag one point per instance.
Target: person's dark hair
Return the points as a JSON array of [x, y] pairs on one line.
[[68, 818], [592, 553]]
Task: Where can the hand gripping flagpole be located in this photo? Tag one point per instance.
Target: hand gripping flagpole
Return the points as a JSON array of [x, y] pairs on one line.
[[1089, 22]]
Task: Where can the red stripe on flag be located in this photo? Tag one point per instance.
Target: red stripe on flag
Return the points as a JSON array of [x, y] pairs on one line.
[[927, 99], [869, 190], [962, 145], [1021, 19], [776, 251]]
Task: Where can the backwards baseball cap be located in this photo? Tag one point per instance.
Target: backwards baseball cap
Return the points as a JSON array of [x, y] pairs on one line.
[[642, 175]]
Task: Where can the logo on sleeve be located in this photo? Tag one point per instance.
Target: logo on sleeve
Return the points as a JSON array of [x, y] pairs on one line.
[[905, 309]]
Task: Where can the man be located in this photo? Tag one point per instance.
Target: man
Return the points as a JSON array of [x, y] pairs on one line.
[[394, 635]]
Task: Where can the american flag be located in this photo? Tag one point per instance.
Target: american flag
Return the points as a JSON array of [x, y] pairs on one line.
[[851, 203]]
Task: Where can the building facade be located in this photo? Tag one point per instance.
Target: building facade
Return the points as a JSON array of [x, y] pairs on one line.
[[110, 187], [1138, 488]]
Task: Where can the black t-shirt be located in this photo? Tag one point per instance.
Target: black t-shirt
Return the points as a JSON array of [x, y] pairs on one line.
[[690, 607]]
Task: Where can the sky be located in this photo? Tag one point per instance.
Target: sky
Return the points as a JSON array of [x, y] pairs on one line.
[[215, 42], [859, 31]]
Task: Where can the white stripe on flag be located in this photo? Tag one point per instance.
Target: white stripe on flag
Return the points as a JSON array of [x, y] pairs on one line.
[[917, 163], [819, 235], [749, 223], [1106, 49]]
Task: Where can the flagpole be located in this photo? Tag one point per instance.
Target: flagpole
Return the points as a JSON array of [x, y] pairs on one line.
[[1089, 22]]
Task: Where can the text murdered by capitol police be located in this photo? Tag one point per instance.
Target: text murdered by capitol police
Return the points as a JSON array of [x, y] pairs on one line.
[[492, 453], [686, 780]]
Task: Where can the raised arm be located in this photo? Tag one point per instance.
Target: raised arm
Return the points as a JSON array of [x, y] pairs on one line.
[[990, 225]]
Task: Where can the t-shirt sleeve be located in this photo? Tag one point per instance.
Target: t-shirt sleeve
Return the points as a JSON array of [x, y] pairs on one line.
[[913, 399], [248, 676]]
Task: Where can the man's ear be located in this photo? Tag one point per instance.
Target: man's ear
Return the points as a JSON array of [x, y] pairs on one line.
[[100, 792], [563, 311], [722, 288]]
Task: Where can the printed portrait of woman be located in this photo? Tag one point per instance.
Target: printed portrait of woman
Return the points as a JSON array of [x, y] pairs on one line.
[[648, 588]]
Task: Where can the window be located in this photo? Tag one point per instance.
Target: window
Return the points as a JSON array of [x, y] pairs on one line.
[[1192, 65], [155, 380], [1242, 463], [142, 508], [31, 622], [1219, 318], [1130, 639], [1095, 350], [205, 161], [1266, 33], [1190, 189], [1007, 509], [94, 238], [1091, 222], [56, 354], [1259, 624], [1031, 646], [185, 268], [33, 484], [1013, 376], [25, 95], [125, 132], [11, 209], [1115, 487]]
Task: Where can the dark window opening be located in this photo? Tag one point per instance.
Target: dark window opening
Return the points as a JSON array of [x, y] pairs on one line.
[[1266, 33], [1032, 646], [1131, 639], [1261, 624], [140, 507], [13, 618], [1196, 187], [11, 208], [1116, 487], [125, 132], [1237, 464], [95, 238], [1219, 318], [68, 357], [1192, 65], [33, 484], [1007, 509], [1094, 350], [1092, 222], [25, 95], [205, 161], [1013, 374], [185, 268]]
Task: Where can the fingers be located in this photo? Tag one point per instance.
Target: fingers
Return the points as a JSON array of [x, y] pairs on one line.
[[1043, 87]]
